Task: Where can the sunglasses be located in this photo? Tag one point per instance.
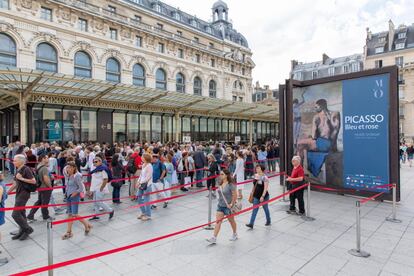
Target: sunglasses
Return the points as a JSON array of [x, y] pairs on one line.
[[95, 161]]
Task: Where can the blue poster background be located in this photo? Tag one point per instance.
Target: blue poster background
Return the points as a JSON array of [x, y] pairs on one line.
[[365, 133]]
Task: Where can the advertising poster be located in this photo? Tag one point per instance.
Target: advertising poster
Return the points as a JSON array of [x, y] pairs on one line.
[[340, 130]]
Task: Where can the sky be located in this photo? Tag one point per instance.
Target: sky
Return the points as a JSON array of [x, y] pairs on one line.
[[279, 31]]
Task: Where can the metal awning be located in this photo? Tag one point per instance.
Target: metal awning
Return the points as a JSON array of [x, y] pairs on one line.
[[91, 92]]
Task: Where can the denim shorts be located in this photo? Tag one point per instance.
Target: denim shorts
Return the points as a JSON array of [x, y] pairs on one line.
[[226, 211], [73, 205]]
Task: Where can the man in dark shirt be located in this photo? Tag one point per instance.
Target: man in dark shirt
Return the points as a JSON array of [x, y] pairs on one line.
[[24, 177], [200, 162]]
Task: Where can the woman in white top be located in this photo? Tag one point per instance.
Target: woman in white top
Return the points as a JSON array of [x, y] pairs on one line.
[[143, 187], [239, 173]]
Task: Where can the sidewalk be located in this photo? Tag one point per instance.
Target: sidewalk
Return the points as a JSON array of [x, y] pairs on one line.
[[291, 246]]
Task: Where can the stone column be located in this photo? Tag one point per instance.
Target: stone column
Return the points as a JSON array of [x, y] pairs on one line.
[[23, 119], [177, 129], [251, 132]]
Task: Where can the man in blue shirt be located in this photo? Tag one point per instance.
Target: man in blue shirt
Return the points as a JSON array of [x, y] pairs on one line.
[[158, 173]]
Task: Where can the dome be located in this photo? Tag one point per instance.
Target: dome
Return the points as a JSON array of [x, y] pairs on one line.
[[220, 4]]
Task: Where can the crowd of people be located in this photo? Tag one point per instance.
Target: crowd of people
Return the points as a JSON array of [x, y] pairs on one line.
[[406, 153], [148, 170]]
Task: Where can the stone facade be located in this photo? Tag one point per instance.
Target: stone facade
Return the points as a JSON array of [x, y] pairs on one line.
[[209, 51], [389, 48], [265, 95]]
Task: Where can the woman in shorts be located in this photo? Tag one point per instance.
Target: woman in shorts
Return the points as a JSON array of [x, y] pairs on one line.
[[74, 190]]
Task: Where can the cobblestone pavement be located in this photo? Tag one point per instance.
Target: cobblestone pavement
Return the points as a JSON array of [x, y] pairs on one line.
[[291, 246]]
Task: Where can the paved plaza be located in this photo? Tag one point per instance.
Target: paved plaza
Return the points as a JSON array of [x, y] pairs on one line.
[[291, 246]]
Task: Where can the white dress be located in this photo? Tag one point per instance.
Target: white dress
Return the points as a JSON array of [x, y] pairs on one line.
[[239, 172]]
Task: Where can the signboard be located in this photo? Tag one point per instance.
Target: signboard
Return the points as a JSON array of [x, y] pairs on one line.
[[187, 139], [345, 129], [237, 139]]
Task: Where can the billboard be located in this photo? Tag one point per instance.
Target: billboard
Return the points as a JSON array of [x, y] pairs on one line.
[[344, 128]]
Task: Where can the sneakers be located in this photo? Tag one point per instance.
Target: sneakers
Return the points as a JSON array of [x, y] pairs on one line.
[[145, 218], [111, 215], [94, 218], [31, 220], [268, 224], [291, 212], [212, 240], [234, 237], [165, 205], [51, 218], [59, 211], [153, 207], [249, 226], [140, 216], [24, 236], [184, 189]]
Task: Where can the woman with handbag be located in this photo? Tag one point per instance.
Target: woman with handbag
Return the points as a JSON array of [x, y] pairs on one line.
[[227, 204], [259, 194], [144, 187], [74, 191], [116, 184]]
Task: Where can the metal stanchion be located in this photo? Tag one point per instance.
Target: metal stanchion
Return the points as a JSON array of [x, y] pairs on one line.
[[308, 212], [50, 245], [284, 188], [210, 203], [358, 252], [394, 206]]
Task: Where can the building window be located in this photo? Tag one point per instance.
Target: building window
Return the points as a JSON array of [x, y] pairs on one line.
[[138, 18], [7, 50], [345, 69], [138, 75], [381, 39], [232, 68], [355, 66], [180, 53], [160, 47], [211, 44], [158, 7], [314, 75], [113, 70], [119, 127], [378, 63], [132, 127], [234, 98], [400, 78], [46, 14], [213, 62], [180, 83], [161, 79], [83, 65], [240, 99], [46, 58], [159, 26], [83, 25], [113, 34], [399, 61], [179, 33], [399, 46], [243, 71], [196, 39], [198, 58], [4, 4], [379, 50], [111, 9], [212, 89], [177, 16], [402, 35], [138, 41], [198, 86]]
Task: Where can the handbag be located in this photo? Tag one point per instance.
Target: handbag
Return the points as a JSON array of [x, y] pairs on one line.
[[187, 180], [252, 193], [237, 207], [143, 186]]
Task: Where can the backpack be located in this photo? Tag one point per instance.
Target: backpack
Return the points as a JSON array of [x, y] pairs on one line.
[[37, 177], [131, 168]]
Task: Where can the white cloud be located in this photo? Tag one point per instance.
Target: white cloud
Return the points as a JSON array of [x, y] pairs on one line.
[[279, 31]]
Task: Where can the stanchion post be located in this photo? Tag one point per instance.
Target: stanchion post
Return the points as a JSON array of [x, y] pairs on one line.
[[308, 205], [284, 187], [50, 245], [358, 252], [210, 203], [394, 206]]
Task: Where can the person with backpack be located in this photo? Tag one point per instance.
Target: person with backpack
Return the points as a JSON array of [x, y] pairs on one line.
[[134, 170], [3, 197], [212, 172], [24, 183], [117, 169], [101, 176], [158, 173], [43, 182]]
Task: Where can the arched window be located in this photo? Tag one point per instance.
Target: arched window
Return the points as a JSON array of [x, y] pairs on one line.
[[212, 89], [46, 57], [138, 75], [238, 85], [161, 79], [197, 86], [83, 65], [180, 82], [7, 50], [113, 70]]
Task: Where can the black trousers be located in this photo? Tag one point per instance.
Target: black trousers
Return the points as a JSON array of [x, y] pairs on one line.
[[44, 199], [19, 216], [299, 196], [211, 182]]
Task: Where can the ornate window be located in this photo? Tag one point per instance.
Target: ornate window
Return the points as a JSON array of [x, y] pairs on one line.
[[161, 79], [197, 86], [113, 70], [46, 57], [138, 75], [7, 50], [212, 89], [83, 65], [180, 82], [4, 4]]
